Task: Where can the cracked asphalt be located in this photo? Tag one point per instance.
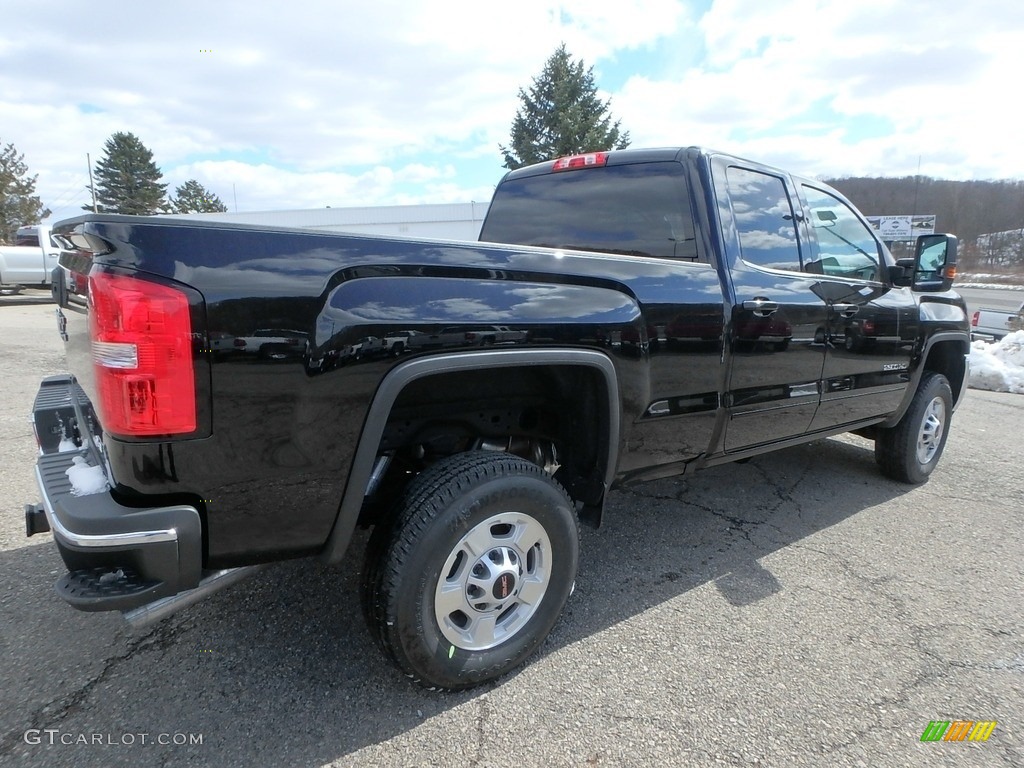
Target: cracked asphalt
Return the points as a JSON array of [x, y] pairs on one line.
[[797, 610]]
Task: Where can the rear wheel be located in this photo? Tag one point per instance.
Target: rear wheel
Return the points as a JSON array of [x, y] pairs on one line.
[[910, 451], [475, 571]]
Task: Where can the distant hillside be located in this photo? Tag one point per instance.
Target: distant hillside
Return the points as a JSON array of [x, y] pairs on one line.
[[966, 208]]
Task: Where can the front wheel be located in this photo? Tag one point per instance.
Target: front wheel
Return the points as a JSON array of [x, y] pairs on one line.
[[910, 451], [475, 572]]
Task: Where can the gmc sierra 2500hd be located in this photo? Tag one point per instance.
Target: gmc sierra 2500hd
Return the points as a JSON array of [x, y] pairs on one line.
[[661, 311]]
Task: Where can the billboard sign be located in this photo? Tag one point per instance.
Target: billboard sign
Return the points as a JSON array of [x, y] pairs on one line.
[[902, 227]]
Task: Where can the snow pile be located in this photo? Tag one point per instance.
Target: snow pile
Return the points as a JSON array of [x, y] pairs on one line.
[[999, 367], [989, 286], [86, 480]]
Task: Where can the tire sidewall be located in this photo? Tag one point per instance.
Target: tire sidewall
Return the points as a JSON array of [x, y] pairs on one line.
[[936, 386], [411, 616]]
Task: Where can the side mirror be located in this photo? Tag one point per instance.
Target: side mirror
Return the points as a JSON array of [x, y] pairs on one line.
[[58, 288], [902, 275], [934, 265]]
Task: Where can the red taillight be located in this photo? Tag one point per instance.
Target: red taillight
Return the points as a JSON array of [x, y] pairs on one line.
[[239, 342], [974, 319], [589, 160], [142, 352], [869, 326]]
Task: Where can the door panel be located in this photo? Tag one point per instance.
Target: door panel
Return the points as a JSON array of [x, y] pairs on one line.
[[776, 358], [871, 334], [871, 326]]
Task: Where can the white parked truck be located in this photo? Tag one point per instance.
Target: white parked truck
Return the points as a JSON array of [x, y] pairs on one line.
[[996, 323], [31, 260]]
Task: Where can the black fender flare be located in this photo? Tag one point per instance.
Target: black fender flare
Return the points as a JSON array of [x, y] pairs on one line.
[[400, 376], [915, 379]]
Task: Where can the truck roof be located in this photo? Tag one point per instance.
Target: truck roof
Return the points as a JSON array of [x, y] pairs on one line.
[[614, 157]]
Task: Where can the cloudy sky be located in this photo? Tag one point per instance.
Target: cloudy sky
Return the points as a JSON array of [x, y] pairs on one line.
[[310, 103]]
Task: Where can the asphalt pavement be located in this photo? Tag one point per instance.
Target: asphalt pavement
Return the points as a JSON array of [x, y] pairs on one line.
[[796, 610], [1006, 299]]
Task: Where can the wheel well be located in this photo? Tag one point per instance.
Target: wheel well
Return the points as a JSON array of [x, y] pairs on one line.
[[947, 358], [556, 416]]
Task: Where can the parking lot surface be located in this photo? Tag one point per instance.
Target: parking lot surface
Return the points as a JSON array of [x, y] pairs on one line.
[[796, 610]]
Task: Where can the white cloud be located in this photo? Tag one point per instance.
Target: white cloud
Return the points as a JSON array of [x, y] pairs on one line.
[[313, 103], [816, 81], [310, 88]]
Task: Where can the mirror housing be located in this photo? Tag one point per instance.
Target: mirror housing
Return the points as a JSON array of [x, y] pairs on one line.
[[902, 275], [934, 263]]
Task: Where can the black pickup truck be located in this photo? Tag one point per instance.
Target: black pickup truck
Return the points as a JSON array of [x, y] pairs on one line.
[[661, 311]]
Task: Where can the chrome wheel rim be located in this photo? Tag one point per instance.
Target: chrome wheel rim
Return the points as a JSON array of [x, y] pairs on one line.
[[493, 581], [932, 427]]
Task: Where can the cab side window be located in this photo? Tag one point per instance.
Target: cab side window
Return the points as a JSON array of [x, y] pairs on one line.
[[846, 246], [764, 219]]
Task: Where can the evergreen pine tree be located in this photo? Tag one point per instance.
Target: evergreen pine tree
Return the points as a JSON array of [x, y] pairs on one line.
[[127, 179], [193, 197], [18, 202], [561, 114]]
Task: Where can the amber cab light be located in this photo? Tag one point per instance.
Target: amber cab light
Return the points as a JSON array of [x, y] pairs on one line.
[[589, 160], [141, 336]]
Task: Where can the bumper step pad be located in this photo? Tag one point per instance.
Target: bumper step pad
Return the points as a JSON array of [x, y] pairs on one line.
[[102, 587]]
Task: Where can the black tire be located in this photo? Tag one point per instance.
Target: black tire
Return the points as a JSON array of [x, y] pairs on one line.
[[910, 451], [474, 518]]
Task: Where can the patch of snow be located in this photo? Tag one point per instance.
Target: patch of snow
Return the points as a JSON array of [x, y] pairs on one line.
[[999, 366], [112, 576], [67, 444], [989, 275], [86, 480], [991, 286]]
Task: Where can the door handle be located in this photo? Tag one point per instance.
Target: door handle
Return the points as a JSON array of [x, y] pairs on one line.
[[846, 310], [761, 306]]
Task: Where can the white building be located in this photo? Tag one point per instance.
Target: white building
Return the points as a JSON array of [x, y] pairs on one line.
[[448, 221]]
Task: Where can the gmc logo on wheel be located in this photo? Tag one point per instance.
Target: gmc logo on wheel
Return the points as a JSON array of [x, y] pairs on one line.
[[503, 586]]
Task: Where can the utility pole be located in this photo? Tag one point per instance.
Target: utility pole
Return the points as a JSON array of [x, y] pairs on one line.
[[917, 185], [92, 186]]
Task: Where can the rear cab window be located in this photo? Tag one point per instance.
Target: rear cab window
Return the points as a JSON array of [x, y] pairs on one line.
[[765, 222], [642, 209]]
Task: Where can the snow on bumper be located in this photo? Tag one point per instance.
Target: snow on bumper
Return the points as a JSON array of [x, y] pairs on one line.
[[117, 557]]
